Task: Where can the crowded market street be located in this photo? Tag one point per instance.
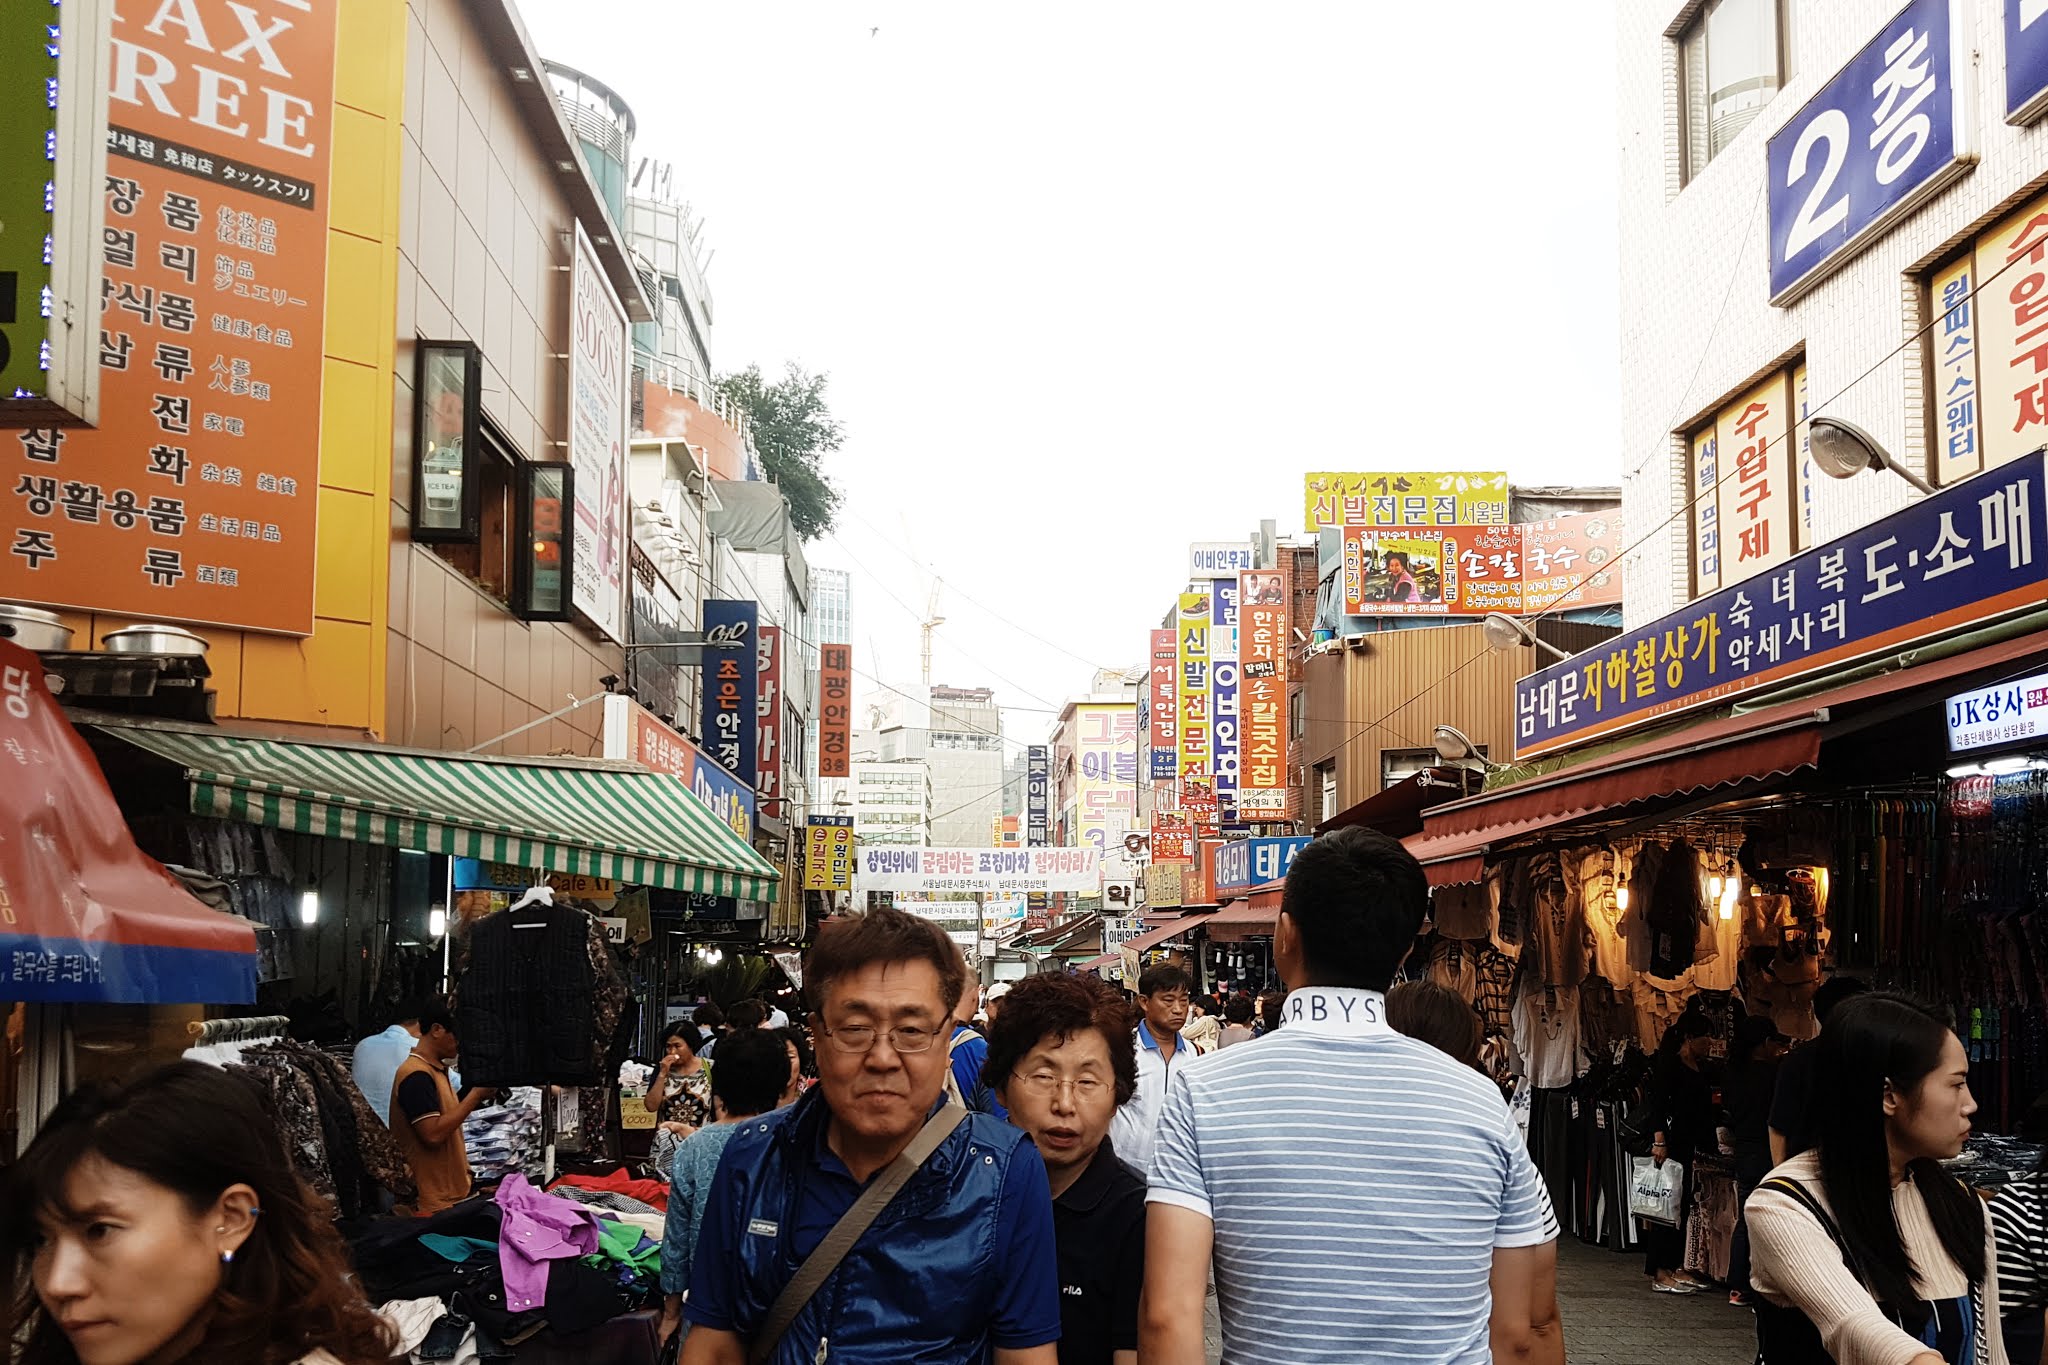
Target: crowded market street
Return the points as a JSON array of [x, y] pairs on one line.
[[1074, 684]]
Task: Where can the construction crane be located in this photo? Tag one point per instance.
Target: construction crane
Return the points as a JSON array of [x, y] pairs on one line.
[[932, 621]]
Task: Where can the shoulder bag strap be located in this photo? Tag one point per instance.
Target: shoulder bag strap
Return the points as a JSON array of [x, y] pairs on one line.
[[820, 1264]]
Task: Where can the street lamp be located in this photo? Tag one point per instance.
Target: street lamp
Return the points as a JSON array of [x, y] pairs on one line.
[[1842, 450], [1505, 632], [1453, 746]]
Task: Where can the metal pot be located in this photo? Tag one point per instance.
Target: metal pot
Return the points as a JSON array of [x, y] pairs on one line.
[[154, 640], [33, 628]]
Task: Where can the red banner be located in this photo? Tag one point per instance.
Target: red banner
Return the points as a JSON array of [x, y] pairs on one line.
[[835, 710], [768, 720]]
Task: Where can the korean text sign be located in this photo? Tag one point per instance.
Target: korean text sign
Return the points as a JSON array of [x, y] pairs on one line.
[[1888, 130], [1459, 498], [1225, 727], [1963, 557], [768, 756], [2004, 713], [1191, 688], [828, 853], [835, 710], [1164, 758], [1105, 775], [598, 417], [2026, 59], [196, 497], [1472, 570], [1037, 797], [1262, 646], [731, 685], [1255, 862], [1074, 871]]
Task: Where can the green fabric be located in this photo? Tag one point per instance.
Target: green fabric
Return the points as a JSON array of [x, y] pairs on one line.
[[623, 1244], [457, 1249], [585, 818]]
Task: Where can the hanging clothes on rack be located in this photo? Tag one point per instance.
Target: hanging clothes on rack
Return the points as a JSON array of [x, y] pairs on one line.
[[540, 998]]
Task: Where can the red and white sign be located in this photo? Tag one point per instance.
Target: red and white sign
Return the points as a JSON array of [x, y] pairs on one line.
[[768, 720]]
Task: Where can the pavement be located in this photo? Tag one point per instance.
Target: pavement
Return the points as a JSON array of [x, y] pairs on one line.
[[1612, 1318]]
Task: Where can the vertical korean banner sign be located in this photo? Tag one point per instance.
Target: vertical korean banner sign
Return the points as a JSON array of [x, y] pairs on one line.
[[1192, 691], [1224, 730], [598, 415], [835, 710], [1163, 762], [731, 684], [768, 721], [1037, 792], [1262, 690], [196, 497]]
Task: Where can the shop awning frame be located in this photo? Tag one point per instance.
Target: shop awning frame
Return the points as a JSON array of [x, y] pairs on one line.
[[582, 817]]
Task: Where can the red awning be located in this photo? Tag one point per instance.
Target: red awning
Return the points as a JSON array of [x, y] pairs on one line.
[[87, 916], [1397, 811], [1733, 750]]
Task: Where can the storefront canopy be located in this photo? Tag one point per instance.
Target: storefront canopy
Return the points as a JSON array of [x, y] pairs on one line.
[[85, 916], [1397, 810], [584, 818]]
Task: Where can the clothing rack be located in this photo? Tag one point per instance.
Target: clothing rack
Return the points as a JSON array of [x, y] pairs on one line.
[[256, 1029]]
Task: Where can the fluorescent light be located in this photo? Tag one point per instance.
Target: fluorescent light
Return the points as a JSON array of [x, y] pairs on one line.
[[309, 906], [437, 922], [1964, 770], [2009, 763]]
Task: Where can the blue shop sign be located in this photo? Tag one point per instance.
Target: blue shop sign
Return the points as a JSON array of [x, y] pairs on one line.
[[1963, 557], [2026, 60], [1254, 862], [1889, 130]]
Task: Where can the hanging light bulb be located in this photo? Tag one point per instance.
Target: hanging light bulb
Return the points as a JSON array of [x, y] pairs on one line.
[[437, 921], [1731, 889], [1621, 894], [309, 905], [1714, 887]]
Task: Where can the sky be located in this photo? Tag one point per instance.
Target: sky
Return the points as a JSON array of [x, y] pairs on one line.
[[1095, 280]]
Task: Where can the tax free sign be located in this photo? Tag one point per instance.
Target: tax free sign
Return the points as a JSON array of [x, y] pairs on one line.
[[1888, 131]]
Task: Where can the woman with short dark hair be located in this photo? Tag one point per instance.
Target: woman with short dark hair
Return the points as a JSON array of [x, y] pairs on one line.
[[1864, 1249], [160, 1222]]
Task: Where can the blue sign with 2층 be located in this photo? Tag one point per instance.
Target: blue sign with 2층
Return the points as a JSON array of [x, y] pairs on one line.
[[1963, 557], [1885, 133]]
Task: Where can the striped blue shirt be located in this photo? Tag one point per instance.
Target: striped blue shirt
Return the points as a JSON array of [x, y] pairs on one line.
[[1359, 1182]]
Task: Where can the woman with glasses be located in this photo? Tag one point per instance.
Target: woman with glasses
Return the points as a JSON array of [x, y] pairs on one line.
[[1061, 1059]]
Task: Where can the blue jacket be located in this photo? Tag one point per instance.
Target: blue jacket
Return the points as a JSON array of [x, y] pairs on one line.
[[922, 1285]]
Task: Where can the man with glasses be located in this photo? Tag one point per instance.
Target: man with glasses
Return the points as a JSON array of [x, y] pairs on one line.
[[1060, 1058], [960, 1265]]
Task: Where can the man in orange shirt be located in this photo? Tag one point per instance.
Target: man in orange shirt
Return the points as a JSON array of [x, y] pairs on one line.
[[426, 1115]]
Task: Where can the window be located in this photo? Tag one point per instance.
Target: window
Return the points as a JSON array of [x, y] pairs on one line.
[[1326, 779], [1733, 55], [1750, 483], [1297, 715], [447, 381], [542, 541]]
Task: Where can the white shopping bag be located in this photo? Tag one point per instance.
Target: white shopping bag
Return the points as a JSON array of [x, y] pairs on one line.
[[1653, 1190]]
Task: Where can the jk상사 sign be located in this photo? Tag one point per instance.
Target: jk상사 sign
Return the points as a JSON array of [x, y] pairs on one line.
[[1886, 132], [2005, 713], [1965, 556]]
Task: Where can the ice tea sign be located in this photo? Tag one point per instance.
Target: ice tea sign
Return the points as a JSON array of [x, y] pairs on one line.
[[1889, 130], [2002, 714]]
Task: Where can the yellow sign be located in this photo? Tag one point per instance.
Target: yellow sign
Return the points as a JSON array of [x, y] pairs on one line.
[[1454, 498], [1191, 693], [1706, 513], [2013, 346], [1755, 491], [828, 853]]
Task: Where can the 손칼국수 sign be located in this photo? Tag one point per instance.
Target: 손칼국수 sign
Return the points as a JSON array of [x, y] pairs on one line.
[[1965, 556]]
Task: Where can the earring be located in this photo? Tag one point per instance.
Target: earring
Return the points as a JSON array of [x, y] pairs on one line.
[[228, 1257]]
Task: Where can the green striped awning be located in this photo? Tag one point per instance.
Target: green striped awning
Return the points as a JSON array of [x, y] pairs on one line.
[[587, 818]]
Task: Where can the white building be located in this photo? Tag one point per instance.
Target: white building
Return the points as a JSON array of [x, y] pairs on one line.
[[892, 803], [965, 752], [1705, 87]]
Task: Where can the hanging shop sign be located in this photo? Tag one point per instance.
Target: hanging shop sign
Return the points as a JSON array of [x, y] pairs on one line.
[[2026, 60], [1105, 777], [731, 685], [634, 734], [1754, 436], [1473, 570], [768, 721], [1460, 498], [1246, 863], [196, 497], [1162, 885], [1037, 794], [1165, 732], [835, 710], [1191, 687], [1074, 871], [2006, 713], [598, 419], [1965, 556], [1262, 641], [1211, 558], [828, 853], [1889, 130], [1226, 732], [2012, 359], [1173, 837]]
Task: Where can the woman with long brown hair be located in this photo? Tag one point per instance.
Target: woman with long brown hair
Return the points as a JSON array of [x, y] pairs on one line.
[[159, 1222]]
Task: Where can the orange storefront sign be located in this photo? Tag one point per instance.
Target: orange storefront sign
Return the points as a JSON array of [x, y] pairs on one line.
[[196, 498]]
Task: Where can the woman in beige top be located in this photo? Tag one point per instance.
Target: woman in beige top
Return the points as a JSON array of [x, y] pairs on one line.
[[1864, 1248]]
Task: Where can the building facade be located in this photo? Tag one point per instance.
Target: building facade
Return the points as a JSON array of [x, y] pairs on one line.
[[964, 748], [892, 803]]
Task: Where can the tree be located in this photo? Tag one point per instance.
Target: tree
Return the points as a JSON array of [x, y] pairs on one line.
[[793, 431]]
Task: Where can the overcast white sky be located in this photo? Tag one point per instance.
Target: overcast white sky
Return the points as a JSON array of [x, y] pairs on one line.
[[1092, 280]]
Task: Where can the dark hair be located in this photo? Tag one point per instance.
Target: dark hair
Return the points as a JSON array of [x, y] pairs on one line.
[[1753, 1032], [406, 1012], [195, 1131], [1687, 1026], [796, 1034], [434, 1014], [708, 1016], [1878, 1039], [850, 942], [1239, 1010], [1270, 1005], [1833, 992], [751, 1072], [1439, 1016], [1358, 899], [1058, 1006], [745, 1015], [1163, 976], [685, 1031]]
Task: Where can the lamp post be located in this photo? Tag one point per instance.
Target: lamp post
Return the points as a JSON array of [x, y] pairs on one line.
[[1842, 450]]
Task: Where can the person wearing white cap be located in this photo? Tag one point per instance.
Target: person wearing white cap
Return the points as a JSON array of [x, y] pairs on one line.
[[992, 997]]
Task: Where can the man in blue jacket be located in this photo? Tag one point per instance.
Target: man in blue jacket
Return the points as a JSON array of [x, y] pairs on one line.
[[959, 1265]]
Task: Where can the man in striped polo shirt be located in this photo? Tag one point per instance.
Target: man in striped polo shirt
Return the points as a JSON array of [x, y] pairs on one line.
[[1362, 1196]]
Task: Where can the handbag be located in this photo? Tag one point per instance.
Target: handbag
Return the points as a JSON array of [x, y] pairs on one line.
[[820, 1264], [1654, 1190]]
